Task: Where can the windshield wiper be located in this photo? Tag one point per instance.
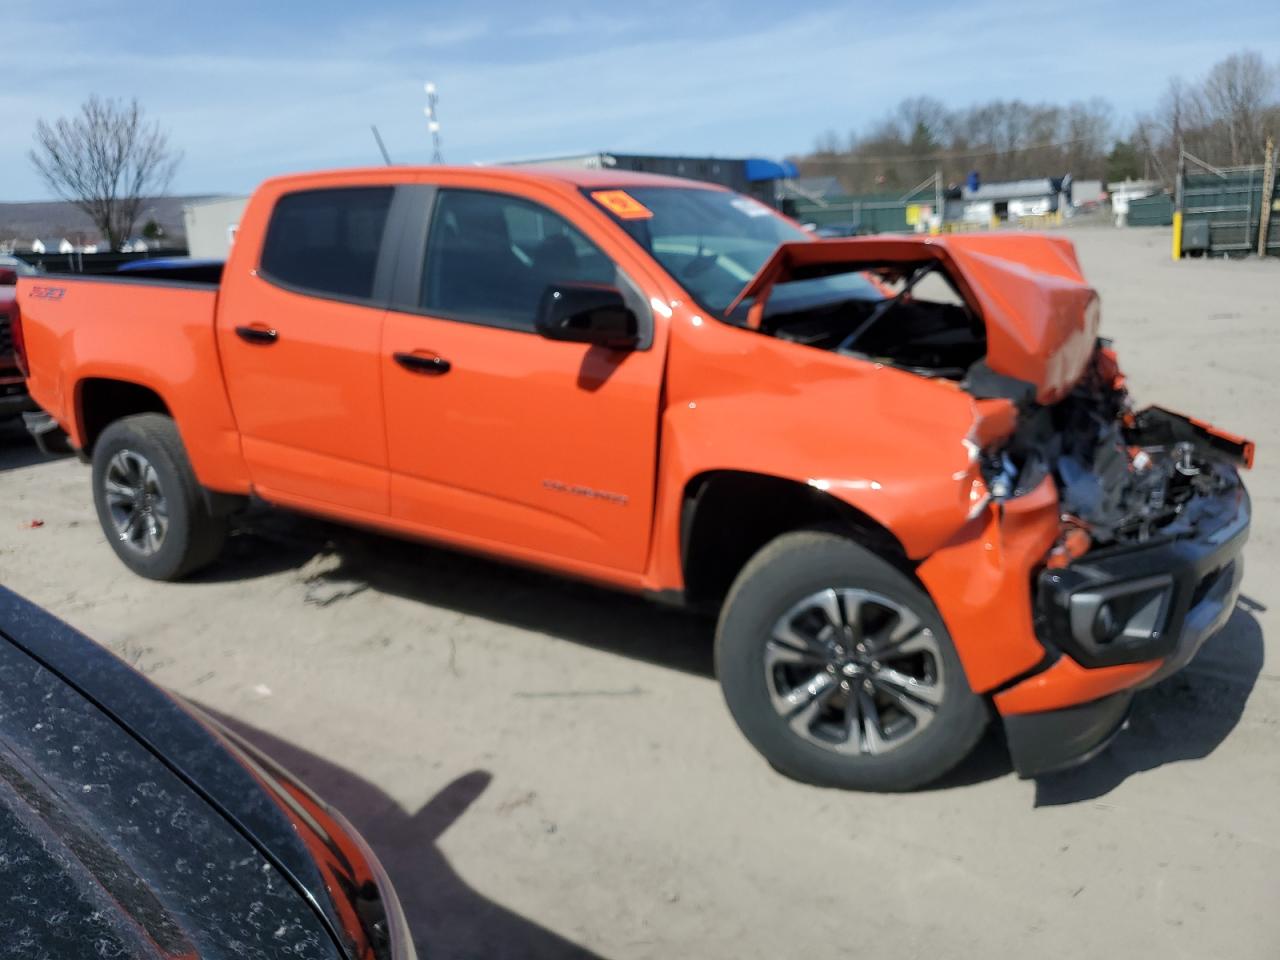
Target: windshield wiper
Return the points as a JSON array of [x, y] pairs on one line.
[[884, 307]]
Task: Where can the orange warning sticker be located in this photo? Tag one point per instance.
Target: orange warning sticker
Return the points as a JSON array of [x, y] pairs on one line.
[[622, 204]]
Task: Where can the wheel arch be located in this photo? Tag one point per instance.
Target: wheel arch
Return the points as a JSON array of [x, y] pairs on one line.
[[101, 401], [728, 515]]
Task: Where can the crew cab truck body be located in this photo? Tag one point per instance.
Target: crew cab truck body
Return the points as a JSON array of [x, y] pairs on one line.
[[909, 507]]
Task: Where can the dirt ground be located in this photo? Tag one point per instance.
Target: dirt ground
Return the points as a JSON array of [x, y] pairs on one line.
[[548, 769]]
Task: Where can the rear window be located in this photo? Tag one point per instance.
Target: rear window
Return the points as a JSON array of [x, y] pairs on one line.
[[326, 241]]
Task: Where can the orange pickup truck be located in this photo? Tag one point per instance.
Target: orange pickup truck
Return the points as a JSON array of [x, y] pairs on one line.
[[904, 470]]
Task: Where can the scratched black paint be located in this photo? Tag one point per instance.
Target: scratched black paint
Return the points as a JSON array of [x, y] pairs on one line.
[[129, 829]]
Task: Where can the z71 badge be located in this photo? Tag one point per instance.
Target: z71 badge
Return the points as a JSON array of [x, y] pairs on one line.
[[578, 490], [48, 293]]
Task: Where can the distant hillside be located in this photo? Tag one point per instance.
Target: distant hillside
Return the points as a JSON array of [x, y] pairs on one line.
[[55, 219]]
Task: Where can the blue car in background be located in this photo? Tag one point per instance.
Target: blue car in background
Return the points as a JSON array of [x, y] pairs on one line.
[[175, 268]]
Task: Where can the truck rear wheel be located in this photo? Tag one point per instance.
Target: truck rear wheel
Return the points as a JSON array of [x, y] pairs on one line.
[[839, 670], [149, 501]]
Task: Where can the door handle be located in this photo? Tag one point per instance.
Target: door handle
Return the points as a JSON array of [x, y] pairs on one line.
[[261, 335], [423, 363]]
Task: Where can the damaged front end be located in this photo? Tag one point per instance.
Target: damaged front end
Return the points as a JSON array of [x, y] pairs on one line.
[[1147, 566], [1153, 517], [1101, 545], [1123, 476]]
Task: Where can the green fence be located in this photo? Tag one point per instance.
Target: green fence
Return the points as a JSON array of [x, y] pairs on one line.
[[1154, 211], [1222, 211], [866, 213]]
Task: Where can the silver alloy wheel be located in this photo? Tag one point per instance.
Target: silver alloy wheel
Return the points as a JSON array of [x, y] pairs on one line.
[[138, 508], [854, 672]]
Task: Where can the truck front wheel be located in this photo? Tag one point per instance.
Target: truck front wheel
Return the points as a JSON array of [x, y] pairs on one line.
[[149, 501], [839, 670]]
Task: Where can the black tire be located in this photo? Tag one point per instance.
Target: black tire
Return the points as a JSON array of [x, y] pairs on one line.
[[192, 538], [804, 564]]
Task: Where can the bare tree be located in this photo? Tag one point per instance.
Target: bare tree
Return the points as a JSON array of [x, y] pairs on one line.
[[1088, 132], [1223, 118], [106, 160], [1238, 93]]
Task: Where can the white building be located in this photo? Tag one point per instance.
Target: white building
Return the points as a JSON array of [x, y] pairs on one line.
[[211, 226], [1087, 193], [52, 245], [1009, 200]]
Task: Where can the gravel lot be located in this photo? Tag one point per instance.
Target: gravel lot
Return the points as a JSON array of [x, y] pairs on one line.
[[548, 770]]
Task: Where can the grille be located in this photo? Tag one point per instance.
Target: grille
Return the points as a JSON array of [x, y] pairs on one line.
[[6, 334]]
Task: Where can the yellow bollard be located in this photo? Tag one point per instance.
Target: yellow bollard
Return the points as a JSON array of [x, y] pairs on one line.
[[1177, 234]]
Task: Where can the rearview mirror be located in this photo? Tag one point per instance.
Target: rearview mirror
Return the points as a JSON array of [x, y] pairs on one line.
[[8, 277], [587, 313]]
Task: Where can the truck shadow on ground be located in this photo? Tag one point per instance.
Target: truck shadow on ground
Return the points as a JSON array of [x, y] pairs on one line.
[[1184, 718], [447, 917], [332, 560]]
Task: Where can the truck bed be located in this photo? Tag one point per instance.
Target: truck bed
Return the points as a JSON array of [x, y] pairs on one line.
[[83, 333]]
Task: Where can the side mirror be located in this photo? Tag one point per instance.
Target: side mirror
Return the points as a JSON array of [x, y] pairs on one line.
[[8, 277], [586, 313]]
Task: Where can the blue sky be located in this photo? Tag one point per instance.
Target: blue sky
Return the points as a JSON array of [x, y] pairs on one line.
[[248, 90]]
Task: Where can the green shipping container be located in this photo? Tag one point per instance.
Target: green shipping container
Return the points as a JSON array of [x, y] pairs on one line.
[[1230, 202], [1156, 211], [867, 213]]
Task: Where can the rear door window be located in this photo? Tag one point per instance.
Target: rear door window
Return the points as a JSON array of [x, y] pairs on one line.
[[326, 242], [491, 256]]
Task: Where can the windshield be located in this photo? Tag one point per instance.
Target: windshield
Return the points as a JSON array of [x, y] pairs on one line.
[[711, 241]]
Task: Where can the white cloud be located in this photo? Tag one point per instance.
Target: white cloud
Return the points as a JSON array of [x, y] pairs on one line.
[[551, 83]]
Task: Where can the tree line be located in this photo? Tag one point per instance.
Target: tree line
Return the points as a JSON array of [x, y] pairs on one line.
[[1222, 118]]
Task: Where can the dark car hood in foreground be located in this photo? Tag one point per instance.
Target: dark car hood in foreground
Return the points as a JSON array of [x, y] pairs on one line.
[[127, 828]]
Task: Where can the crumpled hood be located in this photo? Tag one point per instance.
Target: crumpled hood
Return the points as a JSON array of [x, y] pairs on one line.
[[1041, 317]]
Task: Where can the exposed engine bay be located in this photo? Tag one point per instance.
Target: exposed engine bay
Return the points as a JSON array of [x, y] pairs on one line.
[[1123, 476], [908, 314]]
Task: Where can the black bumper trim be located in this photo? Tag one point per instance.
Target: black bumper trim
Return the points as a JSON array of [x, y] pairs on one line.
[[1202, 572], [1043, 743]]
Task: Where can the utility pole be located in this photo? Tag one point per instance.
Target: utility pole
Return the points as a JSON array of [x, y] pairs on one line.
[[1268, 191], [433, 121]]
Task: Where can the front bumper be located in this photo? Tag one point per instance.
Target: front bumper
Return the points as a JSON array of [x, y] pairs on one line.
[[1120, 619], [1158, 600], [1043, 743]]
